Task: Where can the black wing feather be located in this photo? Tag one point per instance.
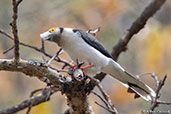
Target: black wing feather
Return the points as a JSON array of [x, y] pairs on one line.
[[93, 42]]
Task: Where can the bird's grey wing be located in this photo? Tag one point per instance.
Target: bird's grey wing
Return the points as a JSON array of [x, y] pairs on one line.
[[93, 42]]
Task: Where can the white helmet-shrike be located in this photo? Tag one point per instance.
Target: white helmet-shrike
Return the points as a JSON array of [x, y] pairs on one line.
[[84, 47]]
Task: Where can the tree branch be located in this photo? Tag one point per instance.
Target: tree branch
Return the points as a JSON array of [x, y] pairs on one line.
[[33, 68], [108, 102], [155, 102], [77, 97], [137, 25], [56, 55], [104, 107], [6, 34], [9, 49], [33, 101], [15, 30]]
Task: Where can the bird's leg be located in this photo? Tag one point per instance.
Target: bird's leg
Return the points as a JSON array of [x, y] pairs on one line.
[[85, 67], [79, 66], [73, 67]]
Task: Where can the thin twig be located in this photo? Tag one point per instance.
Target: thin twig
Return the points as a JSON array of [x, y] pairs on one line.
[[29, 109], [163, 102], [15, 30], [43, 45], [105, 108], [155, 101], [102, 99], [155, 78], [161, 84], [18, 2], [6, 34], [35, 91], [153, 75], [9, 49], [56, 55], [105, 95]]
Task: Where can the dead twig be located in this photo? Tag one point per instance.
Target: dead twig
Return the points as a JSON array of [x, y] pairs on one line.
[[56, 55], [6, 34], [18, 2], [104, 108], [15, 30], [43, 45], [110, 106], [102, 99], [155, 102], [155, 78], [159, 84], [163, 102], [9, 49], [29, 109], [35, 91], [153, 75]]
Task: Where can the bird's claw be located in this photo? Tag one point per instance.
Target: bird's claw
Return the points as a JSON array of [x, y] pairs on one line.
[[78, 70]]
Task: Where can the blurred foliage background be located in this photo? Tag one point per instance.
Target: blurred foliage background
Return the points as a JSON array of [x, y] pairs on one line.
[[148, 51]]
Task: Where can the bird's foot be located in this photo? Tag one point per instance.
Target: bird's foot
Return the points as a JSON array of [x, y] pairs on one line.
[[79, 66], [74, 67]]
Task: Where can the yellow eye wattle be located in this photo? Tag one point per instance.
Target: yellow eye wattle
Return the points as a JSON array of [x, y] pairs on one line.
[[52, 30]]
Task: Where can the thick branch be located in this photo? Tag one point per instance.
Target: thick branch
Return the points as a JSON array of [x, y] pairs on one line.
[[77, 98], [137, 25], [32, 68]]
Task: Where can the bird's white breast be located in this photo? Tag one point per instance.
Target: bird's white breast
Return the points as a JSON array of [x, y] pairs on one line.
[[77, 48]]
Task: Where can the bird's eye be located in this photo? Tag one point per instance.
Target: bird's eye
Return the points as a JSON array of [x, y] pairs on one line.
[[52, 30]]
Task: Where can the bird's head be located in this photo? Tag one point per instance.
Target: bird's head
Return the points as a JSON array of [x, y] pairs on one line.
[[53, 34]]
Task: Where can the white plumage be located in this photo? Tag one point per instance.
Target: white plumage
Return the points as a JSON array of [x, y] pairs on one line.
[[84, 47]]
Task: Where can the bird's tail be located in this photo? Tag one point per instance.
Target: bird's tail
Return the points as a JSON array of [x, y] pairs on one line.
[[116, 71]]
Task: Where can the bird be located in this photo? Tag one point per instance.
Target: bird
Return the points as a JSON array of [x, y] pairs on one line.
[[84, 47]]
